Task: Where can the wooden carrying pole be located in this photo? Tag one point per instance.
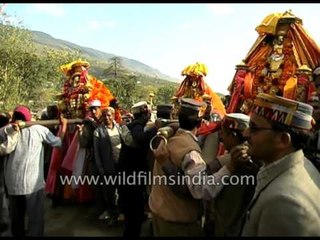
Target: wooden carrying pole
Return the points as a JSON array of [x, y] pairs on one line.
[[49, 122]]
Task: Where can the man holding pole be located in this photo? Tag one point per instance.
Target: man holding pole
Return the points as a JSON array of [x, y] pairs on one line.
[[24, 174]]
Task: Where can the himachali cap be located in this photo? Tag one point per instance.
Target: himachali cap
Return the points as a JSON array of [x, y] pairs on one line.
[[238, 121], [164, 108], [192, 107], [139, 107], [284, 111], [95, 103]]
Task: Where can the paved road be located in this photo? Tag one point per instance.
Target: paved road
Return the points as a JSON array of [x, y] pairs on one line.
[[79, 220]]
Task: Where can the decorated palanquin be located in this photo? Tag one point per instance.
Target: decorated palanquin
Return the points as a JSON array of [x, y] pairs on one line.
[[79, 89], [195, 86], [280, 62]]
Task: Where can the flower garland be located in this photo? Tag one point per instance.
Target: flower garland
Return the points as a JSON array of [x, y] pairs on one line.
[[257, 81], [289, 67], [263, 82]]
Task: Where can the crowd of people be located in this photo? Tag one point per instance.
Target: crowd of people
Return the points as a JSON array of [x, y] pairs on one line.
[[269, 145], [245, 166]]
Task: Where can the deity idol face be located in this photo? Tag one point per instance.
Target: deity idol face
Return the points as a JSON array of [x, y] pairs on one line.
[[75, 81]]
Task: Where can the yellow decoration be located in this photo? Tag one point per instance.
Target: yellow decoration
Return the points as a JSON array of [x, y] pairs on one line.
[[68, 67], [269, 24], [195, 70], [289, 90], [304, 69]]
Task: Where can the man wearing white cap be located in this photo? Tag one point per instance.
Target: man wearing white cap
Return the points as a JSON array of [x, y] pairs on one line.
[[90, 124], [228, 207], [86, 129], [132, 160]]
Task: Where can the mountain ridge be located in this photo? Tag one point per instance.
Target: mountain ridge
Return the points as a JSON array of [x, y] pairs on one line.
[[44, 39]]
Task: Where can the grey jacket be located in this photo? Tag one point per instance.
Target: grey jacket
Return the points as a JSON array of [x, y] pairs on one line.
[[286, 199]]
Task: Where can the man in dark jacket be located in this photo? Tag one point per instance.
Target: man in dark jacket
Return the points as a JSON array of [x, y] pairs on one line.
[[132, 160], [90, 123], [107, 145]]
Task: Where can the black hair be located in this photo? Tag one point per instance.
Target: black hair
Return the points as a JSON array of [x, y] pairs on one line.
[[138, 115], [237, 133], [207, 114], [52, 112], [299, 137], [143, 112], [18, 116], [189, 122], [114, 103], [165, 115]]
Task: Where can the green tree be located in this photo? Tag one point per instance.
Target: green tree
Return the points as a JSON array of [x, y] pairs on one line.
[[143, 91], [19, 66], [27, 75], [121, 83], [124, 88], [115, 69], [52, 59], [164, 94]]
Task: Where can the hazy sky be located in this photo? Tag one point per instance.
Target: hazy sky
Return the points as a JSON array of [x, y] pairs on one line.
[[167, 37]]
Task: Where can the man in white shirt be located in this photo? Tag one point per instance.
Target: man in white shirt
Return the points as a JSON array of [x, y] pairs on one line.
[[24, 175]]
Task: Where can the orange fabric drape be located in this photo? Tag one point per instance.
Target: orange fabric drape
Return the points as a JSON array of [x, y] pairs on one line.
[[217, 104], [255, 48], [262, 53], [305, 45], [290, 89]]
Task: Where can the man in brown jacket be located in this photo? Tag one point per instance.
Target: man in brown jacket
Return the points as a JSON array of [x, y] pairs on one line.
[[174, 214], [286, 199]]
